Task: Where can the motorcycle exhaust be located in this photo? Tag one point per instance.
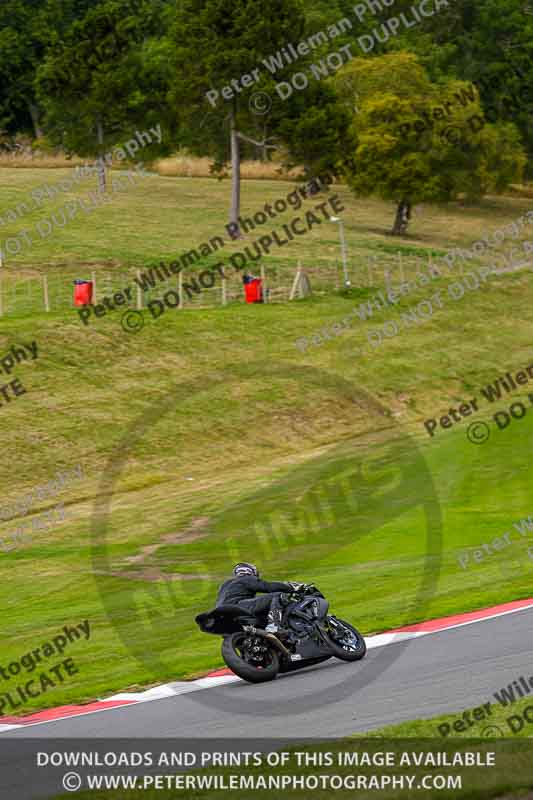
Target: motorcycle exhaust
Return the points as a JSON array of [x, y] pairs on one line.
[[276, 642], [270, 636]]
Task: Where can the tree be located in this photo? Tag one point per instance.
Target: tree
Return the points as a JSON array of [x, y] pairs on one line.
[[107, 75], [489, 43], [22, 42], [216, 43], [415, 141], [315, 128], [27, 29]]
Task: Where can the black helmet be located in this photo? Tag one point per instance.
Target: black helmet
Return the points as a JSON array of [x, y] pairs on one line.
[[243, 568]]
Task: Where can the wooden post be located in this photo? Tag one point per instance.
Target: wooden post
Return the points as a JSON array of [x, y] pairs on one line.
[[430, 266], [46, 299], [93, 279], [402, 273], [224, 292], [180, 289], [139, 303], [386, 279], [296, 283], [264, 286]]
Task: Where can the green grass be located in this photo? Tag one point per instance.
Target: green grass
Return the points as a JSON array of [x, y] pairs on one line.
[[493, 725], [249, 446], [161, 218], [171, 215]]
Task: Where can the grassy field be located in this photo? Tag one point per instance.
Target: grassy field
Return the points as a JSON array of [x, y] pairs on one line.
[[209, 437], [159, 217]]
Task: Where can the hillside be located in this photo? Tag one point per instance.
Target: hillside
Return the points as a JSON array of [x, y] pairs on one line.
[[209, 437]]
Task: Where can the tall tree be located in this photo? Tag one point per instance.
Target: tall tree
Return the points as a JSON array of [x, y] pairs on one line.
[[216, 43], [27, 29], [416, 141], [314, 126], [108, 75], [487, 42]]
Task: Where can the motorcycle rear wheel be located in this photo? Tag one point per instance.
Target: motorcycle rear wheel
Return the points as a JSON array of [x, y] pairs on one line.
[[355, 646], [243, 668]]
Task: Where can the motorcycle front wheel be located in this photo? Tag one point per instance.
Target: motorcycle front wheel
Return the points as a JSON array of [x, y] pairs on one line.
[[250, 657], [345, 641]]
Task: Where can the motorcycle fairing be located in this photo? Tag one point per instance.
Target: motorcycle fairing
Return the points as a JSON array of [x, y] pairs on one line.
[[312, 648], [302, 617]]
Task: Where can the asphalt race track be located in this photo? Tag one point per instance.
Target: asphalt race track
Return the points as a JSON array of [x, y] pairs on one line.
[[443, 672]]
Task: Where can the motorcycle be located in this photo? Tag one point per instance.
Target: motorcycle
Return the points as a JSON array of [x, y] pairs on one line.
[[308, 635]]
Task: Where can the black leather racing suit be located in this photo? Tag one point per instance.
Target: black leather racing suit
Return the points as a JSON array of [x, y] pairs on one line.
[[242, 590]]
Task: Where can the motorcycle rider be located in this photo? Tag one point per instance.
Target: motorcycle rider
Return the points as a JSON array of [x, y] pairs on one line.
[[243, 586]]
